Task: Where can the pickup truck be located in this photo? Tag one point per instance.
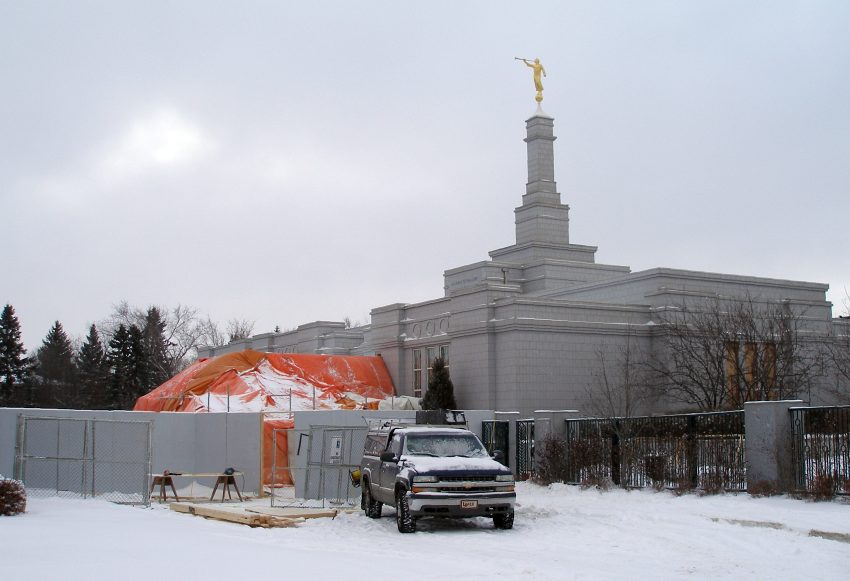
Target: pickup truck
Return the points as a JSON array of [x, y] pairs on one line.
[[434, 471]]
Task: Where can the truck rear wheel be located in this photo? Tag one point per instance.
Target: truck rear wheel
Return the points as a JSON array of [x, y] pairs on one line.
[[371, 507]]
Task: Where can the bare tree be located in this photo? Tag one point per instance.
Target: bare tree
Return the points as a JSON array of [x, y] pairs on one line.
[[726, 351], [839, 359], [621, 384], [184, 330], [211, 334], [352, 323], [239, 329], [838, 353]]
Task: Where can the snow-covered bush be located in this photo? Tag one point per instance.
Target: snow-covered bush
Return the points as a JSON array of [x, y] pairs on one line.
[[13, 497]]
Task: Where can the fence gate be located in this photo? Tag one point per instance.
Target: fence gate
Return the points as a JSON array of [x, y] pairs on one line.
[[322, 460], [495, 436], [83, 458], [524, 449]]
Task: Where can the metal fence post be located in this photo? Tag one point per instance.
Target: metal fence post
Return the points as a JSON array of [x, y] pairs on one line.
[[615, 453], [691, 451]]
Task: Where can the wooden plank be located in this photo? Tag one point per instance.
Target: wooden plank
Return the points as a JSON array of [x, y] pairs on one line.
[[294, 512], [182, 507], [235, 515]]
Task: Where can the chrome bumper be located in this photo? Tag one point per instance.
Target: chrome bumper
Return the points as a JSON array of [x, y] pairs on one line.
[[447, 504]]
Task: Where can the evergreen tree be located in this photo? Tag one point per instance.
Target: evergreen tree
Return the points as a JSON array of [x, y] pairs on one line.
[[14, 364], [156, 347], [441, 391], [118, 358], [56, 357], [56, 369], [93, 370], [140, 369]]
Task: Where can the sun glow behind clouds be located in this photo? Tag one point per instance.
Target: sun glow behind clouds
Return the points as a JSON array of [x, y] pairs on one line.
[[162, 139]]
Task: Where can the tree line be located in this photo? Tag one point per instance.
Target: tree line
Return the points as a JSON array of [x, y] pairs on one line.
[[121, 358]]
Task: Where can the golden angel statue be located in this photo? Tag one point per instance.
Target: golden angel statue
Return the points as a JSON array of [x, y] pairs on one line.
[[538, 82]]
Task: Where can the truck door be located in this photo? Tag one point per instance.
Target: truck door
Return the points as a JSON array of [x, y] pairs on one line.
[[389, 470]]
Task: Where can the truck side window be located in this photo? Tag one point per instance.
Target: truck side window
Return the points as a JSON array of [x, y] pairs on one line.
[[375, 444]]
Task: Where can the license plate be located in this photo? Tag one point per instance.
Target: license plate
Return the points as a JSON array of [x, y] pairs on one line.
[[469, 504]]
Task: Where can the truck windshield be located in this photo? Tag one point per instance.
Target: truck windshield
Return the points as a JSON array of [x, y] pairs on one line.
[[466, 445]]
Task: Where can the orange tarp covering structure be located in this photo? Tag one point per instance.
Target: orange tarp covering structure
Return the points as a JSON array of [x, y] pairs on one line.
[[273, 382], [251, 381]]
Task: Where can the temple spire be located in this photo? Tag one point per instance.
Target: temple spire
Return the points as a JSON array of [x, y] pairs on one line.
[[542, 218]]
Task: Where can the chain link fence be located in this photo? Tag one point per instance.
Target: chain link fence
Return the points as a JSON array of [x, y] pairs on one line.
[[83, 458]]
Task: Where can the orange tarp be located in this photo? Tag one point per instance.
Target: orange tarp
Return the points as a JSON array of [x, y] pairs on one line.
[[251, 381], [274, 382]]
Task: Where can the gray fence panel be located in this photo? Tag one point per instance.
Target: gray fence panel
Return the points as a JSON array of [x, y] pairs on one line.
[[331, 455], [84, 457]]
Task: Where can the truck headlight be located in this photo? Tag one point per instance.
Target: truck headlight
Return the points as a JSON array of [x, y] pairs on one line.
[[421, 479], [505, 478]]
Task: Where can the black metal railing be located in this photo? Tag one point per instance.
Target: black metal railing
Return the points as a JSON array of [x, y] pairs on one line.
[[495, 435], [524, 449], [821, 449], [703, 451]]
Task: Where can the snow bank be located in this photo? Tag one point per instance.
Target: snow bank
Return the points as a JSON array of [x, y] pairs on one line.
[[560, 532]]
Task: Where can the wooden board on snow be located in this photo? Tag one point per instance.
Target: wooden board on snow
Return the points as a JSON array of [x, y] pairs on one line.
[[235, 515]]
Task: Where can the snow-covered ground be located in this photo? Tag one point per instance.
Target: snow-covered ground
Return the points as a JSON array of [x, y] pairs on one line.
[[561, 532]]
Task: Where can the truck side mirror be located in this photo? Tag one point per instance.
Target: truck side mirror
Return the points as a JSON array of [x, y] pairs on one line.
[[388, 456]]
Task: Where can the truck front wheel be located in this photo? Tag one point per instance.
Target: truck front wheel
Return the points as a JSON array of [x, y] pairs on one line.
[[504, 520], [405, 522]]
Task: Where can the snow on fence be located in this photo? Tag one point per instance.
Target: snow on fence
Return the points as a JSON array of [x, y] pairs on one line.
[[704, 451], [821, 449]]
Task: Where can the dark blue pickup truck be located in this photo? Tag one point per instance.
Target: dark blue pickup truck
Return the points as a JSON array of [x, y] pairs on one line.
[[435, 471]]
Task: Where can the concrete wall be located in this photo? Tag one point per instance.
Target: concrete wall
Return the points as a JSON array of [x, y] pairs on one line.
[[768, 447], [180, 442], [328, 337]]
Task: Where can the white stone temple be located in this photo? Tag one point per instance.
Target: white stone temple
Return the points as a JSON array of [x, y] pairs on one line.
[[527, 328]]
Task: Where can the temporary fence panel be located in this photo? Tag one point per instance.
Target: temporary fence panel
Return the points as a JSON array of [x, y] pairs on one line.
[[821, 449], [323, 462], [121, 460], [53, 456], [83, 458]]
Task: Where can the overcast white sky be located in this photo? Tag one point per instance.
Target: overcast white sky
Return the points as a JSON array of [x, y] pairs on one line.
[[285, 164]]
